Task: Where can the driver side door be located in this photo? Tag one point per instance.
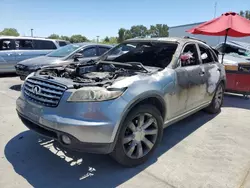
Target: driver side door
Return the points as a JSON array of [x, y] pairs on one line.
[[89, 53], [190, 84]]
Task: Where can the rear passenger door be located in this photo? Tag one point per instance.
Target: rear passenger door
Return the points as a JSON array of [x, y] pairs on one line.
[[24, 49], [7, 55], [212, 70]]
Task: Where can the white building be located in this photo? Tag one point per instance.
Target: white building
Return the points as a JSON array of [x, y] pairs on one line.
[[180, 31]]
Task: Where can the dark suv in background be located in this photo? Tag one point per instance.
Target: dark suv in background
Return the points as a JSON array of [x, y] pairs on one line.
[[77, 52]]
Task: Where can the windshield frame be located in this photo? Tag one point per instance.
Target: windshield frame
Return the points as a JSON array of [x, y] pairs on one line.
[[153, 42], [64, 47]]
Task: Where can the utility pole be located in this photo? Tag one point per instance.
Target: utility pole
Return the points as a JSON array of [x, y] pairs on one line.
[[31, 32], [97, 39], [215, 9]]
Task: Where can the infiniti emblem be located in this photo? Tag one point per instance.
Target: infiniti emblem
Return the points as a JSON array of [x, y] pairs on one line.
[[36, 89]]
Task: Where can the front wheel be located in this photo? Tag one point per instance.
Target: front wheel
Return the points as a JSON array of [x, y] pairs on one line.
[[217, 101], [141, 132]]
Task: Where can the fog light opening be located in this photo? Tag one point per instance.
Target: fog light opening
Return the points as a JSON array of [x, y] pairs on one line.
[[66, 140]]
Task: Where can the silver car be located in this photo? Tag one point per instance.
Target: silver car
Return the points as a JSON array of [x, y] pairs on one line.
[[77, 52], [15, 49], [120, 103]]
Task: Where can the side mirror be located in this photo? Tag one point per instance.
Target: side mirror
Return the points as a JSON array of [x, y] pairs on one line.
[[77, 56]]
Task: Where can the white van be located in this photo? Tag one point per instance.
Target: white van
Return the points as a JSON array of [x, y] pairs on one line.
[[15, 49]]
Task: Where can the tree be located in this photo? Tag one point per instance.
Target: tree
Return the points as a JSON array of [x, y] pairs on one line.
[[158, 30], [78, 38], [128, 35], [9, 32], [138, 31], [245, 14], [106, 40], [121, 35], [113, 40], [65, 38], [54, 36]]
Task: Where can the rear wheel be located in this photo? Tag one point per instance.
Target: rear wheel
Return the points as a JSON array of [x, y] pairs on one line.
[[217, 101], [141, 132]]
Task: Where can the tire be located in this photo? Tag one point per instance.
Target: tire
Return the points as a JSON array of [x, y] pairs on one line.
[[132, 148], [215, 105]]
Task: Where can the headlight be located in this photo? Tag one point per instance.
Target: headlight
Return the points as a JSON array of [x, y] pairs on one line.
[[95, 94]]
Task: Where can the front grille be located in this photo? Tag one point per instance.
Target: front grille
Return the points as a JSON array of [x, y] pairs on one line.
[[43, 92]]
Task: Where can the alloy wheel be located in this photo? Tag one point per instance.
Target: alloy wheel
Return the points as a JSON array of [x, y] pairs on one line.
[[218, 97], [140, 135]]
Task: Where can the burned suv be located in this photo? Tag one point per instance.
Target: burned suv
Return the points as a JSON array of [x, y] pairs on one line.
[[120, 103]]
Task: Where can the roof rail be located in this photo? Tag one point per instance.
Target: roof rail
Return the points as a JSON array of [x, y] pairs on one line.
[[188, 37]]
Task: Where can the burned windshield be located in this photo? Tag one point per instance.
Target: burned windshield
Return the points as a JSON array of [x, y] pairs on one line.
[[156, 54]]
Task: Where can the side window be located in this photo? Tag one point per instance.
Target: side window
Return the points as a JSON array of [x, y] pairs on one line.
[[62, 43], [89, 52], [220, 48], [6, 44], [102, 50], [44, 45], [24, 44], [189, 56], [206, 56]]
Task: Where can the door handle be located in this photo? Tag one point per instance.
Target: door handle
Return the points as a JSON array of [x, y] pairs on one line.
[[9, 54], [202, 73], [20, 53]]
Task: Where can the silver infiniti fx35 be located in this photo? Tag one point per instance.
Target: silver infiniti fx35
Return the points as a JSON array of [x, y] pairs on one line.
[[120, 103]]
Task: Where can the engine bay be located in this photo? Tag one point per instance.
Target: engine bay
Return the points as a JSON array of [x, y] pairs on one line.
[[91, 74]]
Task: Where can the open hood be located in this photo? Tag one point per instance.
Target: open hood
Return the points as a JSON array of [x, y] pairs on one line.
[[102, 74], [41, 60]]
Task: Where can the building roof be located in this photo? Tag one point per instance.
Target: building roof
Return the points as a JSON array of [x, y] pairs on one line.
[[185, 25]]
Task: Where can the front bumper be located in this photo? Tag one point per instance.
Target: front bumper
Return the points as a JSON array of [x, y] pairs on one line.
[[91, 126], [77, 145], [23, 73]]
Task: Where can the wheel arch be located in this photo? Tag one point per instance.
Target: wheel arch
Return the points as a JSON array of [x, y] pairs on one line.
[[155, 99]]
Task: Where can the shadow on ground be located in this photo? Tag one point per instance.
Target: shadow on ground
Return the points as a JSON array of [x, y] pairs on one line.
[[236, 101], [5, 75], [43, 164], [16, 87]]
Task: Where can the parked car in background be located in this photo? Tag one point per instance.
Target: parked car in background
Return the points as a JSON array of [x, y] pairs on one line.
[[65, 55], [237, 64], [235, 52], [120, 103], [15, 49]]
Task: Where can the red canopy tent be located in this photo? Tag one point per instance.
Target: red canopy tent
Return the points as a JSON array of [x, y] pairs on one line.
[[228, 24]]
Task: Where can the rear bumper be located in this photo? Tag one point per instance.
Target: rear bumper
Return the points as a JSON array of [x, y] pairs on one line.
[[76, 145]]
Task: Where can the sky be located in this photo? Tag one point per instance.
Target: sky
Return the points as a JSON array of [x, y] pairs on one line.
[[102, 18]]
